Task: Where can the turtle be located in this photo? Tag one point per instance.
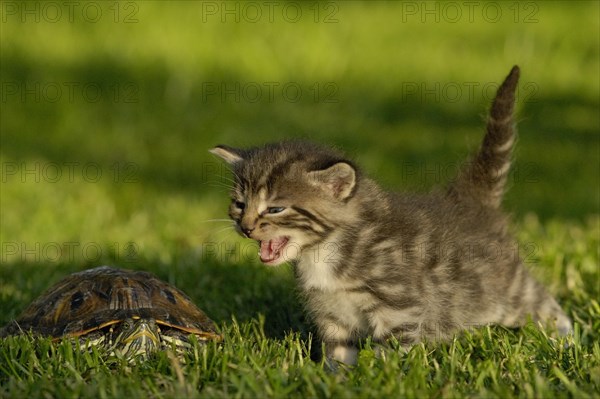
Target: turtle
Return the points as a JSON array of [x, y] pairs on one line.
[[129, 312]]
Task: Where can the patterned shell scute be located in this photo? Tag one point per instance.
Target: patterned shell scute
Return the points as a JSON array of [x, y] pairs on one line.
[[96, 297]]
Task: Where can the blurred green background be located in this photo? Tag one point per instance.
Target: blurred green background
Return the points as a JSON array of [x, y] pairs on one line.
[[108, 110]]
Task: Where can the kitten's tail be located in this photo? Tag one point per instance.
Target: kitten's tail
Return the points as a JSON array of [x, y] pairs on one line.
[[483, 179]]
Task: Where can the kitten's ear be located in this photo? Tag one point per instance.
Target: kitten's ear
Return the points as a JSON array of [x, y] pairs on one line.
[[337, 180], [228, 154]]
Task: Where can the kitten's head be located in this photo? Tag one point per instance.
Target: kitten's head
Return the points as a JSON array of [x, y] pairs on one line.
[[289, 196]]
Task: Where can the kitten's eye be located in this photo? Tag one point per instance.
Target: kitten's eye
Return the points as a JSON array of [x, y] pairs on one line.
[[240, 205], [275, 209]]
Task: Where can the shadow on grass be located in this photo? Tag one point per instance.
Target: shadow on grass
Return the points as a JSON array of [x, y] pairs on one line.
[[223, 291], [163, 127]]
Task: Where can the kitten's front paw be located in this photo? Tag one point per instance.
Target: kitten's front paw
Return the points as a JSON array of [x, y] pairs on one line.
[[342, 354], [564, 326]]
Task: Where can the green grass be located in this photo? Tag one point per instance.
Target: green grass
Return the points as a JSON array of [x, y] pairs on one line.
[[152, 206], [269, 349]]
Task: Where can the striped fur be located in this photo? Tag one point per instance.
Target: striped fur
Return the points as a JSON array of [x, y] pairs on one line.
[[484, 178], [380, 264]]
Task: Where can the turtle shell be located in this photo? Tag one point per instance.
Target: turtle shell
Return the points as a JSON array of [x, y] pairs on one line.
[[99, 297]]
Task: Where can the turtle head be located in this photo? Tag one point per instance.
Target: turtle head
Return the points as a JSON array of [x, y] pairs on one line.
[[136, 336]]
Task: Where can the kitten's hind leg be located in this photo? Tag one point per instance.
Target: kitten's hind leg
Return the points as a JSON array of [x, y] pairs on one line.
[[550, 313], [532, 300]]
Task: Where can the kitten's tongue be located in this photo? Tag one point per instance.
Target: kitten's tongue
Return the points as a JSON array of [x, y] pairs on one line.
[[271, 250]]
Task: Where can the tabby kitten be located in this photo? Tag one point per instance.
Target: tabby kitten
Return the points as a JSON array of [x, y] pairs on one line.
[[379, 264]]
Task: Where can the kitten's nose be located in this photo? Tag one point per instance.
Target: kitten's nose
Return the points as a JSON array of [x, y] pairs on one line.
[[247, 231], [247, 225]]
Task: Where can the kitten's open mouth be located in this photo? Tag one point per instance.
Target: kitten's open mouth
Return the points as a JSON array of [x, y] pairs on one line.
[[272, 250]]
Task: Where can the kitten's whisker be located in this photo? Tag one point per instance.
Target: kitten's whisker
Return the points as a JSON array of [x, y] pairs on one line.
[[230, 180], [222, 179], [221, 182], [228, 228], [214, 184]]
